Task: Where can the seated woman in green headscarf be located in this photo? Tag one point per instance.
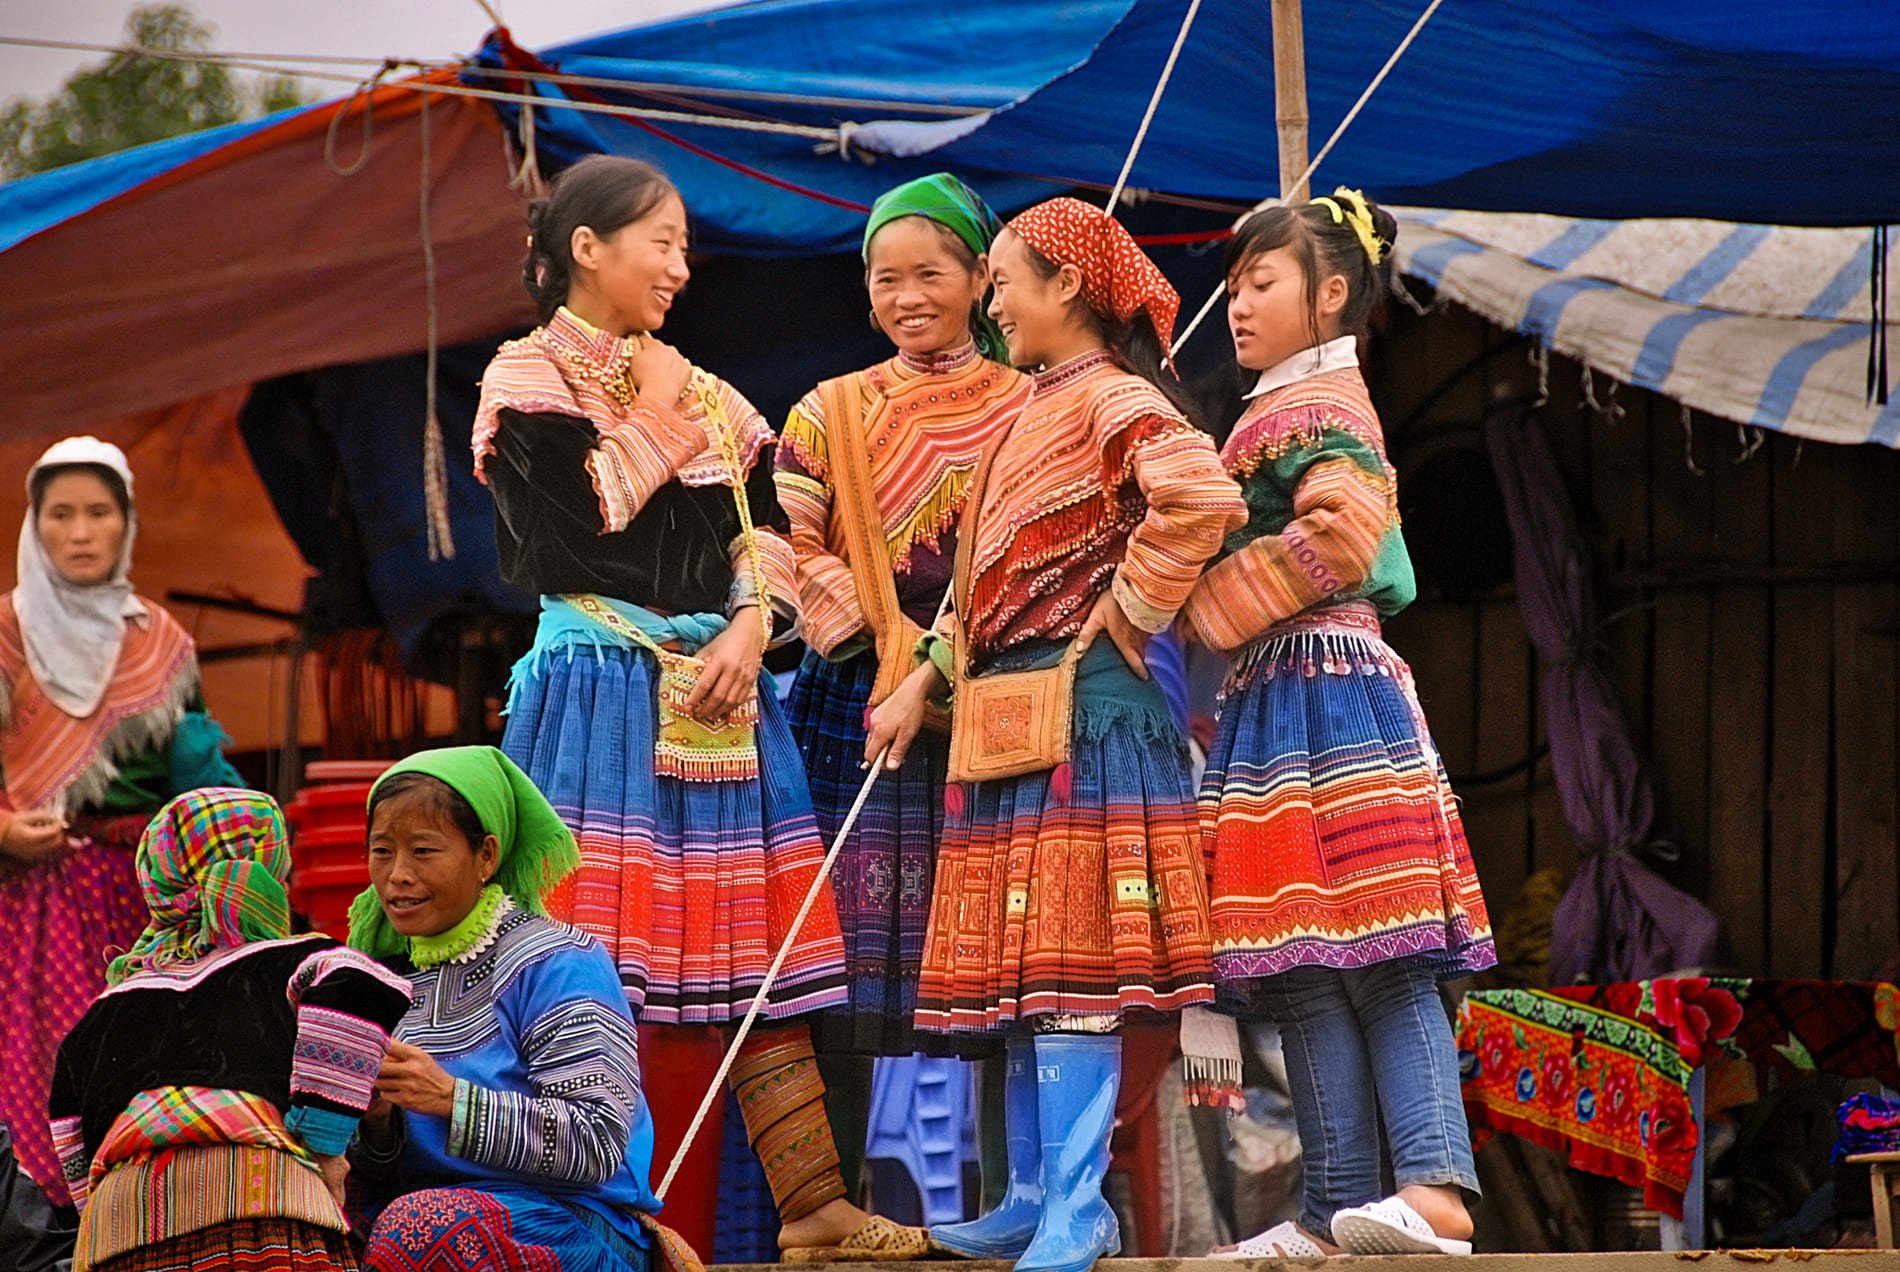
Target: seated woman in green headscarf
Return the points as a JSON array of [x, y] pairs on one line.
[[201, 1107], [511, 1113]]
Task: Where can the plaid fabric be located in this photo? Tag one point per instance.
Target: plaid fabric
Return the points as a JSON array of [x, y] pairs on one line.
[[180, 1115], [212, 867], [881, 881]]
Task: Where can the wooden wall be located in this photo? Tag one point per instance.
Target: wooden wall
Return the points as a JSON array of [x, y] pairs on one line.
[[1751, 626]]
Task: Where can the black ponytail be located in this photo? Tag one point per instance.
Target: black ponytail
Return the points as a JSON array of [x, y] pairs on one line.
[[602, 192]]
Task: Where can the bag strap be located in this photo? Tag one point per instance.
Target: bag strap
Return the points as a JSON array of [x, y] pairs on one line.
[[707, 390], [867, 551]]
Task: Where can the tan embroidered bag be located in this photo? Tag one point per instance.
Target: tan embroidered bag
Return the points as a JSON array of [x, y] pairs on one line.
[[1004, 724]]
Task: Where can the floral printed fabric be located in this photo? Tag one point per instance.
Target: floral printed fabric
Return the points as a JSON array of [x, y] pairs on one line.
[[1601, 1072]]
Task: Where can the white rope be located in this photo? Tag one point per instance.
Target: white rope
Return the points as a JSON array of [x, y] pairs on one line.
[[823, 880], [1324, 150], [1154, 104], [809, 131], [298, 64]]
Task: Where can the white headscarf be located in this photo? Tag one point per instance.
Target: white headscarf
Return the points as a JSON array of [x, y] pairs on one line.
[[73, 632]]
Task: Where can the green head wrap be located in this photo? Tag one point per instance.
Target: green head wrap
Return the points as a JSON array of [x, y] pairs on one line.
[[537, 849], [942, 198], [212, 866]]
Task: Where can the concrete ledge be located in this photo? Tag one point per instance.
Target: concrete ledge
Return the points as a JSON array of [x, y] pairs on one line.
[[1616, 1261]]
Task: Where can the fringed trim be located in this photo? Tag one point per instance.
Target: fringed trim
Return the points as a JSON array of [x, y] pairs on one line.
[[134, 735], [927, 522], [806, 443], [1097, 717], [1302, 426]]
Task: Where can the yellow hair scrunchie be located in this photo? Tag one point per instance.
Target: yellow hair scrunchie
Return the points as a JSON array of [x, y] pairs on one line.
[[1358, 216]]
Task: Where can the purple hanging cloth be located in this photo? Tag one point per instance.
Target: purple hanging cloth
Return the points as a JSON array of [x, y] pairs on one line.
[[1618, 920]]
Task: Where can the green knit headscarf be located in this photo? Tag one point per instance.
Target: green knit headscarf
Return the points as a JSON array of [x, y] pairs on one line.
[[942, 198], [537, 849]]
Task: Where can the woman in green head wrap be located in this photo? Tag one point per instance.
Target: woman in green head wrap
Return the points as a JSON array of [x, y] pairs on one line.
[[873, 469], [510, 1098], [211, 1090]]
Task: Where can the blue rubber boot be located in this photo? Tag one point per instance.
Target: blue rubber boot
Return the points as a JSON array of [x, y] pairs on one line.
[[1077, 1076], [1005, 1232]]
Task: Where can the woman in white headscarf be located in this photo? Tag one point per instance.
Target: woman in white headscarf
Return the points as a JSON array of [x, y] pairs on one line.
[[101, 722]]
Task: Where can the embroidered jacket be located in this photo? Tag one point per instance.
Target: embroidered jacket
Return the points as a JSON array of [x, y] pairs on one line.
[[1102, 483], [271, 1044], [925, 425], [533, 1026], [1323, 519], [600, 490]]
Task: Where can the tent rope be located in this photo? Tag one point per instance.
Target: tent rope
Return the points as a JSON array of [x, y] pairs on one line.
[[435, 466], [366, 89], [1154, 104], [1220, 291]]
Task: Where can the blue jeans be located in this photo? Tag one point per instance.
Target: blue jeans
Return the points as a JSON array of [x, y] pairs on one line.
[[1360, 1042]]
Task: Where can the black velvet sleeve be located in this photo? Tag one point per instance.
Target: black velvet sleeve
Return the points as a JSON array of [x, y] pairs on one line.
[[673, 557]]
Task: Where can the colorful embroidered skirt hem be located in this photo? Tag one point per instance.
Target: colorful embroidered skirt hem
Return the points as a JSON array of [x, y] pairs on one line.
[[690, 885], [1334, 834], [244, 1245], [1080, 893]]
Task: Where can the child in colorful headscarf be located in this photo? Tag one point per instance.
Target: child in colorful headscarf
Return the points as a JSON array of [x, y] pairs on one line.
[[873, 468], [1343, 886], [202, 1106], [1070, 896]]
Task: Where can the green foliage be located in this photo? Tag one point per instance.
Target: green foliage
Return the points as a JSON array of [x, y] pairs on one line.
[[128, 99]]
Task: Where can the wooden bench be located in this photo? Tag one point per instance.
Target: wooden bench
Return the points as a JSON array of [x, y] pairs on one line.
[[1884, 1168]]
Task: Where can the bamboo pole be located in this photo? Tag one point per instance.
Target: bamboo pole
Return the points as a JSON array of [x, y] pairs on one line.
[[1289, 95]]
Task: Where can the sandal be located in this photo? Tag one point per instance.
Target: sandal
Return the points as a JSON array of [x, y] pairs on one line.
[[1391, 1227], [1282, 1240], [878, 1241]]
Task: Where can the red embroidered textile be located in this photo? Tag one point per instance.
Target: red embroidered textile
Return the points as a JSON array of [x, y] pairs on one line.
[[1601, 1072]]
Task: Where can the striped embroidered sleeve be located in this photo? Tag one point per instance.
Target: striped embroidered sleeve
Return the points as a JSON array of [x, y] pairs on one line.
[[827, 594], [635, 458], [1342, 507], [776, 559], [346, 1006], [69, 1141], [583, 1066], [1192, 504]]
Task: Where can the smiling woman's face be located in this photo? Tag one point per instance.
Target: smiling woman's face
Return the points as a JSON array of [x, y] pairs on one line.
[[426, 873], [81, 526]]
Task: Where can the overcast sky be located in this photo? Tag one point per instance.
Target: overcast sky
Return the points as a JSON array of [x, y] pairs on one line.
[[367, 28]]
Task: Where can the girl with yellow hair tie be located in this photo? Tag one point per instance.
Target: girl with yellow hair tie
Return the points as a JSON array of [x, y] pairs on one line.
[[1343, 887]]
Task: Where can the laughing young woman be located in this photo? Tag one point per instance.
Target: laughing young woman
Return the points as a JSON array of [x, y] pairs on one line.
[[634, 492]]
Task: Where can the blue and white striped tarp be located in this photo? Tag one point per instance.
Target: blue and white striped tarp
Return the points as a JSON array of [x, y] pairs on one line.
[[1763, 325]]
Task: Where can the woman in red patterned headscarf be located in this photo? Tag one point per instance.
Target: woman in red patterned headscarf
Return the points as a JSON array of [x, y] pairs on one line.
[[1069, 896]]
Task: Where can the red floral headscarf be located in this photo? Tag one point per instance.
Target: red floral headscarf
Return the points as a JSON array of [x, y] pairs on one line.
[[1117, 276]]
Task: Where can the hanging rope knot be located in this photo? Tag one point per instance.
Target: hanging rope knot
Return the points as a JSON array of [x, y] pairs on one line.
[[367, 91]]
